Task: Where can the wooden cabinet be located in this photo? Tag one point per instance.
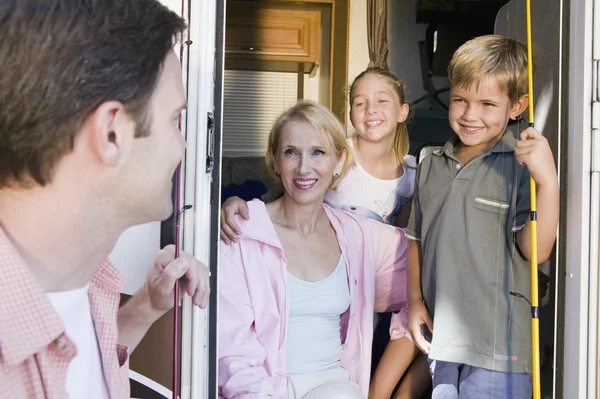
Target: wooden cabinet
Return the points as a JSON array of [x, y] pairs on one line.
[[265, 37]]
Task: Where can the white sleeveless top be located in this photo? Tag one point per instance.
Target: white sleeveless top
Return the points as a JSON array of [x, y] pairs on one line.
[[363, 194], [314, 342]]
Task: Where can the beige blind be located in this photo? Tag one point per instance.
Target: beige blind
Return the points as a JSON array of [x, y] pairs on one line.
[[252, 100]]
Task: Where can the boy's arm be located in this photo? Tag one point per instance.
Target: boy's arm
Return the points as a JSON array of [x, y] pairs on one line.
[[417, 311], [415, 260], [418, 315], [547, 222], [413, 233], [534, 152]]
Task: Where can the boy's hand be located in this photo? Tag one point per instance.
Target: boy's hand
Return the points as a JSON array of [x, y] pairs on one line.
[[534, 152], [229, 229], [417, 317]]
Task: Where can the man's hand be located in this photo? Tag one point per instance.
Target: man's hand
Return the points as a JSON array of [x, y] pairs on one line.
[[166, 270], [417, 317], [156, 297]]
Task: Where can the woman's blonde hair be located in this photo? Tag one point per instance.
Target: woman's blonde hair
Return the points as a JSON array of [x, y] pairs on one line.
[[401, 144], [492, 56], [329, 127]]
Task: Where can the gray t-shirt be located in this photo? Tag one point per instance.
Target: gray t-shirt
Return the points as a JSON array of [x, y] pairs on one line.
[[466, 217]]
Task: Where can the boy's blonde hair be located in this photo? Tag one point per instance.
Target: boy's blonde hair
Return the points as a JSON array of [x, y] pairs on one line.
[[491, 56], [332, 133], [401, 141]]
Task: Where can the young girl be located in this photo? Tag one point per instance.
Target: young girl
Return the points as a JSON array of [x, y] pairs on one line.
[[380, 186]]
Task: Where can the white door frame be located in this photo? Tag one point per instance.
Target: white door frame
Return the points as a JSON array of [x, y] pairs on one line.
[[196, 183], [577, 287]]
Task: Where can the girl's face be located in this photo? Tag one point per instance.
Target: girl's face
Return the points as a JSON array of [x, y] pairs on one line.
[[376, 109]]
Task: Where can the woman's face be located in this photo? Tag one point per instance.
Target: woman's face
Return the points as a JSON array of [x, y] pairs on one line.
[[305, 163]]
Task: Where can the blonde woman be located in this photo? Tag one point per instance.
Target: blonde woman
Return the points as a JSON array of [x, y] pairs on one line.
[[298, 289]]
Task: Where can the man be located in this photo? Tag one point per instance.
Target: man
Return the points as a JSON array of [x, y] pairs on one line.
[[90, 96]]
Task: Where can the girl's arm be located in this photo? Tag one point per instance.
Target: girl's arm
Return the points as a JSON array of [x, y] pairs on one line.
[[229, 228], [389, 246], [403, 215]]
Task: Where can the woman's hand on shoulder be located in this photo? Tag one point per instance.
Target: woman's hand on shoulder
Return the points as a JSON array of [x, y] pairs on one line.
[[231, 207]]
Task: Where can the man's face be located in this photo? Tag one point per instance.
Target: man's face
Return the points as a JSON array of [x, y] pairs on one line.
[[154, 158]]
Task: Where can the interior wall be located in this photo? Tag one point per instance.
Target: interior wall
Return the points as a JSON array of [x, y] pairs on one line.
[[429, 121], [359, 49], [358, 59], [341, 56], [316, 88], [403, 35]]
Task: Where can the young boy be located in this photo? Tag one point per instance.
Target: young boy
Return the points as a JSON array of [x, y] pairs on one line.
[[470, 230]]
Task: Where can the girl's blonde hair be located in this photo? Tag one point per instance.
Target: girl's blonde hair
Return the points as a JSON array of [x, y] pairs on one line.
[[401, 141], [329, 127]]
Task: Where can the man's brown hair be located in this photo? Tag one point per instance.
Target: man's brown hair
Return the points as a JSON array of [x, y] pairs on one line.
[[61, 59]]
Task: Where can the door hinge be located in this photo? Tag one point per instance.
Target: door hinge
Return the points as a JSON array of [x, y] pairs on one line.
[[210, 142], [595, 116]]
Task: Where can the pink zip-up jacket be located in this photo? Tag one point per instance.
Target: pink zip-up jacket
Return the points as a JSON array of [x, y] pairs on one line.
[[254, 300]]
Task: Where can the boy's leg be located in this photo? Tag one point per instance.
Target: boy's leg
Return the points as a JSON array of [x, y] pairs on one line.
[[444, 376], [477, 383]]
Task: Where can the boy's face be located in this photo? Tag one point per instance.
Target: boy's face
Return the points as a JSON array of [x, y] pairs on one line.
[[479, 114]]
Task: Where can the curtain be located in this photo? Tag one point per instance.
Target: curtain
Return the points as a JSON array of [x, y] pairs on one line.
[[377, 33]]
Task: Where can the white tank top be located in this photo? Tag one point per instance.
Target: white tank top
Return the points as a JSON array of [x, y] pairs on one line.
[[363, 194], [314, 342], [85, 377]]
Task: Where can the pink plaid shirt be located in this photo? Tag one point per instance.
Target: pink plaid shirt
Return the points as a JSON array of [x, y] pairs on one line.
[[34, 350]]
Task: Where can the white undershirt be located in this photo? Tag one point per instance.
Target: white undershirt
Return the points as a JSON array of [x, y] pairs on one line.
[[314, 341], [85, 378], [363, 194]]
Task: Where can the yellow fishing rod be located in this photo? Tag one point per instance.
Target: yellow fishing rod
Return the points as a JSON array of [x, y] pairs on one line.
[[535, 313]]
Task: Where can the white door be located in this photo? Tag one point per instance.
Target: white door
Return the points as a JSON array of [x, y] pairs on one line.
[[593, 372], [580, 368]]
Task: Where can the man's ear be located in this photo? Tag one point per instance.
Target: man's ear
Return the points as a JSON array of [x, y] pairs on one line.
[[520, 106], [112, 131]]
